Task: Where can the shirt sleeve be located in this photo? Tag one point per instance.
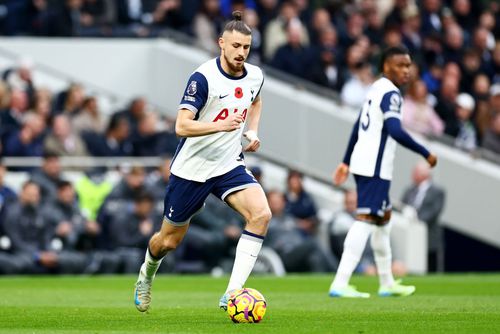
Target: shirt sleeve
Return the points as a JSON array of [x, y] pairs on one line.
[[396, 131], [352, 141], [391, 105], [196, 93]]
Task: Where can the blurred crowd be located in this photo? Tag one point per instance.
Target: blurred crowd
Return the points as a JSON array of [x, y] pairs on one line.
[[93, 226], [333, 43], [34, 120], [96, 226]]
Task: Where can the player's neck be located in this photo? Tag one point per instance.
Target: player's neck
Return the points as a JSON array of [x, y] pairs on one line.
[[225, 67]]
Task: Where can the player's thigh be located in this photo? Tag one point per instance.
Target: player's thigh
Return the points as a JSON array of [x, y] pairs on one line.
[[251, 203]]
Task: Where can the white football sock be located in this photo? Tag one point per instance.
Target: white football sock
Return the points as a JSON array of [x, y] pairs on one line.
[[150, 266], [247, 250], [381, 245], [354, 246]]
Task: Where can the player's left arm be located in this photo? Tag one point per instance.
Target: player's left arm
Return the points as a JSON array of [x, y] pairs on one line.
[[391, 106], [253, 126]]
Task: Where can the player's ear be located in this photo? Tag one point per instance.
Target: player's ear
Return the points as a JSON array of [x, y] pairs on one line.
[[221, 42]]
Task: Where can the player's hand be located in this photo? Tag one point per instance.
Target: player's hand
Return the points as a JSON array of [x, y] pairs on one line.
[[231, 123], [254, 141], [340, 174], [432, 159]]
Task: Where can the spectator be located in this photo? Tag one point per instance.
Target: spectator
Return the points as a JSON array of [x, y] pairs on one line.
[[431, 18], [355, 89], [418, 115], [252, 21], [428, 200], [28, 233], [114, 142], [28, 141], [20, 78], [67, 221], [374, 26], [453, 43], [320, 20], [43, 104], [483, 114], [267, 10], [159, 182], [463, 129], [411, 31], [207, 25], [276, 32], [92, 189], [67, 20], [292, 57], [70, 101], [491, 140], [89, 118], [7, 195], [298, 202], [353, 30], [31, 238], [97, 17], [471, 67], [130, 230], [11, 118], [151, 140], [298, 252], [133, 113], [447, 97], [48, 177], [63, 140], [324, 67]]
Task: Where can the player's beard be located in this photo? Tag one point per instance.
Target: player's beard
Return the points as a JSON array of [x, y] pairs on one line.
[[234, 68]]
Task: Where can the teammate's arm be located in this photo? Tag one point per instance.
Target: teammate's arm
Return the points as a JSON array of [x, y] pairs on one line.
[[396, 131], [253, 126], [187, 126], [391, 107]]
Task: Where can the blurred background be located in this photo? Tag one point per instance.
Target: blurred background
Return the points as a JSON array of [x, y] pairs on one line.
[[88, 97]]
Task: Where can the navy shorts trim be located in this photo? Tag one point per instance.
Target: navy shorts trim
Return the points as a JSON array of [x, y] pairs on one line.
[[373, 195], [184, 198]]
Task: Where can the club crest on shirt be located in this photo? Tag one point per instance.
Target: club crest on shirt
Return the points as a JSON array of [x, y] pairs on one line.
[[191, 90]]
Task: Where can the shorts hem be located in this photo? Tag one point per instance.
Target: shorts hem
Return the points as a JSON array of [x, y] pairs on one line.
[[241, 187]]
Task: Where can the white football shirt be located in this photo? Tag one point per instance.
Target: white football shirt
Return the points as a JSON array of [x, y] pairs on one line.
[[373, 154], [212, 94]]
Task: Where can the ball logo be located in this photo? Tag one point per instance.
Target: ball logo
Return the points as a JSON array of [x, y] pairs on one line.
[[238, 93]]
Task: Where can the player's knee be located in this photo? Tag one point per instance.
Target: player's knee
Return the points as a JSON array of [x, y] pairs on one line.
[[170, 244], [263, 216]]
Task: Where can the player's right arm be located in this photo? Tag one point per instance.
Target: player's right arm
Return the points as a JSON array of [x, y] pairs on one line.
[[342, 171], [193, 101], [187, 126]]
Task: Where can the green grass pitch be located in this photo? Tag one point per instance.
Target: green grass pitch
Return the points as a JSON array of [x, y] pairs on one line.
[[296, 304]]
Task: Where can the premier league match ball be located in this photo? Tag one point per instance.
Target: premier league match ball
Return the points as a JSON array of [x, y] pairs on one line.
[[246, 305]]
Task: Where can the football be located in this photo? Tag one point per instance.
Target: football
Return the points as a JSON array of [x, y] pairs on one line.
[[246, 305]]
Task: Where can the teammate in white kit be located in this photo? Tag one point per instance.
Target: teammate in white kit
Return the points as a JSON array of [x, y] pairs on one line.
[[369, 157], [221, 96]]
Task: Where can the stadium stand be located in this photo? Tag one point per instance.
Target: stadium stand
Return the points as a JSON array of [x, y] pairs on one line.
[[455, 48]]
